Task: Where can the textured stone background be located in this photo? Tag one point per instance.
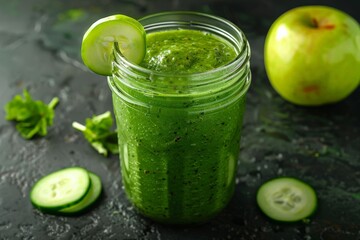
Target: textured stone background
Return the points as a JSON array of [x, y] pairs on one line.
[[39, 50]]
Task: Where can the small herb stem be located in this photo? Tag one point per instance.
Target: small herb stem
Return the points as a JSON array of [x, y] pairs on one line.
[[100, 117], [78, 126], [53, 102]]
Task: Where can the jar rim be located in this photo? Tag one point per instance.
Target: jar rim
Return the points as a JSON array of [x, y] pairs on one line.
[[243, 53]]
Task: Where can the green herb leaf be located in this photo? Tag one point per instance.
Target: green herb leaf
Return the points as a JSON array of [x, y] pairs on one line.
[[32, 117], [97, 131]]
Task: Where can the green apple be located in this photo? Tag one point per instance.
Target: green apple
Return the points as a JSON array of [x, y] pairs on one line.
[[312, 55]]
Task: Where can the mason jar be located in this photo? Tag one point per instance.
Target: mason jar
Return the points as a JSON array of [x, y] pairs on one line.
[[179, 134]]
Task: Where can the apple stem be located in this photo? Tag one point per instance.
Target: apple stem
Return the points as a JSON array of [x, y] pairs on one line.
[[315, 22]]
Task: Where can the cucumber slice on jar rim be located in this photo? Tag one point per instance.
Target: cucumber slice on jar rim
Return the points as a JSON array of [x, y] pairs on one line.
[[98, 42], [287, 199]]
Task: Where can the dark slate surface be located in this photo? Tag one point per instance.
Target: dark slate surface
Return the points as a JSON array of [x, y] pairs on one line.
[[39, 50]]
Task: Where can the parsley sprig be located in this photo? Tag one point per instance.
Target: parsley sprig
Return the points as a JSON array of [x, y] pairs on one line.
[[97, 131], [32, 117]]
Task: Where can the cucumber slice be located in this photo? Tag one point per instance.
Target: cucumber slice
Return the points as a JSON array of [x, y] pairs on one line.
[[287, 199], [98, 42], [90, 198], [60, 189]]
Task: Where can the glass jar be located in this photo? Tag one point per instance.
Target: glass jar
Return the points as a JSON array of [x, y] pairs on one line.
[[179, 134]]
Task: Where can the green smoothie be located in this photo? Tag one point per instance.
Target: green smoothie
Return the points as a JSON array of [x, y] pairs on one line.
[[186, 51], [179, 146]]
